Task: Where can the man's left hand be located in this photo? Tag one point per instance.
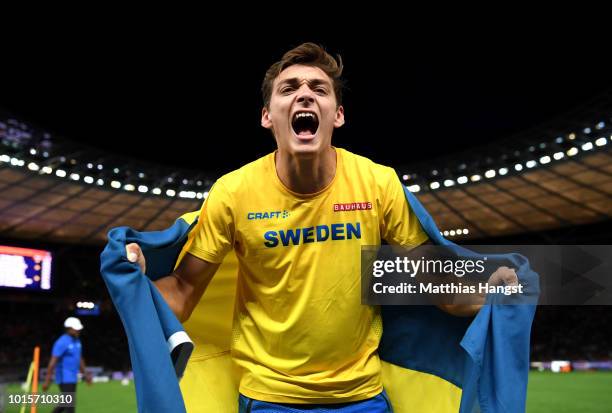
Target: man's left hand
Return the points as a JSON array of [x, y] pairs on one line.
[[504, 276]]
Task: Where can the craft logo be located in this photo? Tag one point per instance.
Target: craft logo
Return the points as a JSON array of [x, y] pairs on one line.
[[268, 215]]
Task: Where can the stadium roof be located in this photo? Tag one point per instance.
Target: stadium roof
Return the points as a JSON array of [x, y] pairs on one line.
[[550, 193]]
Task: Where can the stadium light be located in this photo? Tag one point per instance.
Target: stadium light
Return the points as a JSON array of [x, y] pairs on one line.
[[100, 167], [452, 232], [85, 304], [465, 231], [61, 173], [446, 233], [116, 184], [558, 155], [601, 141], [545, 159], [141, 175], [116, 170], [572, 151], [503, 171], [156, 191], [587, 146], [414, 188], [531, 164], [47, 170], [143, 189], [129, 187], [100, 182], [587, 130], [5, 158], [462, 179], [88, 180], [205, 194], [89, 166], [75, 177], [490, 173], [171, 192], [33, 166], [32, 151], [434, 185], [571, 136], [475, 178], [449, 182], [187, 194]]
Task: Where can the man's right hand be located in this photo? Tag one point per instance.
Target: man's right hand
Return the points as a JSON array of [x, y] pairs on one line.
[[134, 254]]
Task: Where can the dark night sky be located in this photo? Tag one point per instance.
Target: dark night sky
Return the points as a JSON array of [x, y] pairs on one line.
[[141, 91]]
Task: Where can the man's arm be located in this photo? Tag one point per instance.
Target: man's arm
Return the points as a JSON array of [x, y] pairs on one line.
[[184, 287], [84, 372], [50, 370], [472, 302]]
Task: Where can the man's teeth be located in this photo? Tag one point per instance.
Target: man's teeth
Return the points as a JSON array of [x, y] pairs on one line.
[[304, 115]]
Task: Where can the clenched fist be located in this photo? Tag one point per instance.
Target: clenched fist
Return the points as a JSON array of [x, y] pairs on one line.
[[504, 276], [134, 254]]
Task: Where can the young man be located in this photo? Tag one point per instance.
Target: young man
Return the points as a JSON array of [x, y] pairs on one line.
[[66, 357], [297, 219]]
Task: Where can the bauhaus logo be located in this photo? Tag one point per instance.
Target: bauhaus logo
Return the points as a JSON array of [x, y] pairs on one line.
[[352, 206]]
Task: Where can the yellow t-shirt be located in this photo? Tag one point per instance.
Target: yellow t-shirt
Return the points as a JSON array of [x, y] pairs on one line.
[[301, 334]]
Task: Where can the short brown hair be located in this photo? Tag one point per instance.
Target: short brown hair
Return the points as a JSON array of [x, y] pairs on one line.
[[309, 54]]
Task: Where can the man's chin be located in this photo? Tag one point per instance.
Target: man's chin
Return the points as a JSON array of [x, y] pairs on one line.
[[305, 149], [306, 145]]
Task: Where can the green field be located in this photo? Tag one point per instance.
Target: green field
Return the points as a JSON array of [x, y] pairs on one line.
[[577, 392], [548, 393]]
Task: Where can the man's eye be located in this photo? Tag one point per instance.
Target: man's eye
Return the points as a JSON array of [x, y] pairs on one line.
[[287, 90], [321, 91]]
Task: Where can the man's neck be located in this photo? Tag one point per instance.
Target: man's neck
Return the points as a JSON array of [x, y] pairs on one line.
[[306, 175]]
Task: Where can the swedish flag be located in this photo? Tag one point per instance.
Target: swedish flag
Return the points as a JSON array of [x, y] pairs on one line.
[[432, 361]]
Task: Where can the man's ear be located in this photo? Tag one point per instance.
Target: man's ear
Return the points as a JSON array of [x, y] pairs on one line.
[[339, 120], [266, 118]]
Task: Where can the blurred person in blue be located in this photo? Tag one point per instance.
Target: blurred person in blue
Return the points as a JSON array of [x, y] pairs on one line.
[[67, 361]]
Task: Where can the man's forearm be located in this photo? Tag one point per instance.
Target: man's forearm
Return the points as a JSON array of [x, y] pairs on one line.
[[50, 370], [175, 292], [461, 305], [183, 288]]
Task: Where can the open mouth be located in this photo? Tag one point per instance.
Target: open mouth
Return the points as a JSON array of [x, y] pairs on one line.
[[305, 123]]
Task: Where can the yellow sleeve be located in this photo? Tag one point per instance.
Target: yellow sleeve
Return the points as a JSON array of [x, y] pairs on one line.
[[214, 232], [400, 225]]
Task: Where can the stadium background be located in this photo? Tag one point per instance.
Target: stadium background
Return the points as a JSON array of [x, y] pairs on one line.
[[142, 127]]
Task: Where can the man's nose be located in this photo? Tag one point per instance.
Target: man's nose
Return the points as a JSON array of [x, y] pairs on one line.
[[305, 95]]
